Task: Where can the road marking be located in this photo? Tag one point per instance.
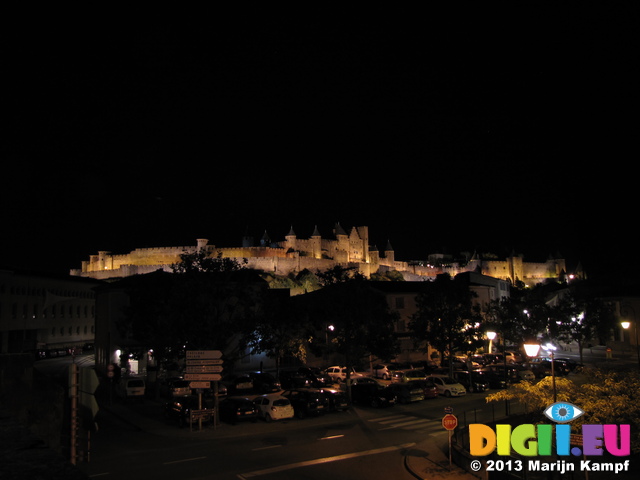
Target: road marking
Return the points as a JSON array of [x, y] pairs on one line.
[[416, 423], [391, 419], [317, 461], [184, 460], [265, 448], [331, 437]]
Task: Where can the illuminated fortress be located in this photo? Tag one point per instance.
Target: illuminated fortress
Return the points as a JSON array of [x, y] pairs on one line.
[[293, 255]]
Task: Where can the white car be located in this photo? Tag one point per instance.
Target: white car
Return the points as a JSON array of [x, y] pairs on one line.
[[339, 374], [447, 386], [273, 407], [132, 387]]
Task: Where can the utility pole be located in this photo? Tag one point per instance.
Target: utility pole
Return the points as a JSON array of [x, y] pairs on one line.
[[73, 395]]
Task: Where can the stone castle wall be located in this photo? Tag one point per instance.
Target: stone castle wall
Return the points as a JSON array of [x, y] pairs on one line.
[[294, 255]]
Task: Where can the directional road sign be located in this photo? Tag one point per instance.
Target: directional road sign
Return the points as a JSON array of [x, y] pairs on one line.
[[203, 354], [204, 368], [203, 377]]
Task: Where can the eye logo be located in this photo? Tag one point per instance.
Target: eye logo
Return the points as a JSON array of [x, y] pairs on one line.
[[563, 412]]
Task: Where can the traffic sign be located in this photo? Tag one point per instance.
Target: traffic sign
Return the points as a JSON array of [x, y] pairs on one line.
[[204, 377], [450, 422], [211, 361], [196, 385], [204, 368], [203, 354]]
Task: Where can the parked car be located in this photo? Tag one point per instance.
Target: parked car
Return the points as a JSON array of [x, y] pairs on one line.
[[372, 394], [264, 382], [407, 393], [541, 367], [429, 390], [337, 399], [304, 377], [384, 370], [175, 386], [245, 383], [496, 379], [473, 381], [571, 364], [509, 374], [307, 401], [339, 374], [403, 376], [238, 383], [235, 409], [273, 407], [179, 409], [131, 388], [459, 363], [525, 373], [514, 356], [447, 386]]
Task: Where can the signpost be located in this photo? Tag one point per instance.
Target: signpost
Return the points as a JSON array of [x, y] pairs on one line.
[[449, 422], [204, 367]]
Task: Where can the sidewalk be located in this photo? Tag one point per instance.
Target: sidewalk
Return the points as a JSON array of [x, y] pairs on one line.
[[428, 461]]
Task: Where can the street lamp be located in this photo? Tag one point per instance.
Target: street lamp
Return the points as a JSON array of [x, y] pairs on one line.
[[491, 336], [532, 349]]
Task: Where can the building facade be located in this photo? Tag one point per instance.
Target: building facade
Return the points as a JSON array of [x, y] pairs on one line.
[[45, 313]]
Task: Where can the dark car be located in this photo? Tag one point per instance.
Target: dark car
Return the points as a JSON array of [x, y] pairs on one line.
[[180, 409], [570, 364], [496, 379], [405, 393], [238, 383], [176, 386], [302, 377], [235, 409], [372, 394], [429, 389], [541, 367], [307, 401], [245, 383], [337, 399], [473, 381], [264, 382], [509, 374]]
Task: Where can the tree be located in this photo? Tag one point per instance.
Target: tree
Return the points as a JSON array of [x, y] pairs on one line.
[[445, 318], [581, 318], [280, 331], [363, 324], [207, 303]]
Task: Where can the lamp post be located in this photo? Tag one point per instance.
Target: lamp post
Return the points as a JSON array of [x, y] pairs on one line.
[[626, 324], [491, 336], [532, 349]]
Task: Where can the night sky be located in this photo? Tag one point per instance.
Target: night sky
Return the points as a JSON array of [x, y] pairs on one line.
[[441, 133]]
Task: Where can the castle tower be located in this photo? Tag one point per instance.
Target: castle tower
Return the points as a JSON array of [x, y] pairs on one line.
[[290, 240], [389, 253], [364, 235], [316, 243], [202, 243]]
